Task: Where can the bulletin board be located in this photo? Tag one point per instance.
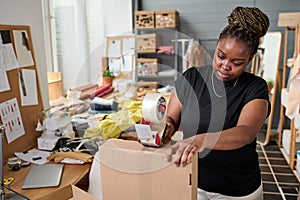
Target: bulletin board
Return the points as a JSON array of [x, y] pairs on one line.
[[120, 51], [23, 88]]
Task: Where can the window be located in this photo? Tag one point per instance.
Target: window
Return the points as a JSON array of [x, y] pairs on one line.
[[78, 30]]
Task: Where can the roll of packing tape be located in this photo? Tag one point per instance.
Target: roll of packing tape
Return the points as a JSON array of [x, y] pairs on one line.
[[154, 108]]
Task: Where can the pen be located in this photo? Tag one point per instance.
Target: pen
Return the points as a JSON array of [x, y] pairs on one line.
[[37, 158]]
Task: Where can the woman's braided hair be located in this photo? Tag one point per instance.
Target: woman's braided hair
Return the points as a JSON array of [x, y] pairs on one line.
[[246, 24]]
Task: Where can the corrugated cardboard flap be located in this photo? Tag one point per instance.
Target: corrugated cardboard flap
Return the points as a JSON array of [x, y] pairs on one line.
[[79, 194], [131, 171]]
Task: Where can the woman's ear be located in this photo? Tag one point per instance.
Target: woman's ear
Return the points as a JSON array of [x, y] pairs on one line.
[[250, 58]]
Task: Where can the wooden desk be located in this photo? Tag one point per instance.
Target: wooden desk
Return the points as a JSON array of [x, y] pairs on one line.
[[72, 174]]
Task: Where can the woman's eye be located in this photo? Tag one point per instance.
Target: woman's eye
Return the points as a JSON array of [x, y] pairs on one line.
[[237, 64], [221, 57]]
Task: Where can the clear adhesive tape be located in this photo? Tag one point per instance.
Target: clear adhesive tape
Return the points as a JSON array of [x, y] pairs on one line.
[[154, 108]]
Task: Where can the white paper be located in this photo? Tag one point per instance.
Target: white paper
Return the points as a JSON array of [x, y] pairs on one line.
[[24, 54], [127, 63], [8, 57], [35, 156], [115, 65], [4, 84], [128, 45], [28, 87], [114, 48], [11, 118]]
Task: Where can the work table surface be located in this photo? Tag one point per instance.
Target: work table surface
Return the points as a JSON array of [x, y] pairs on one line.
[[72, 174]]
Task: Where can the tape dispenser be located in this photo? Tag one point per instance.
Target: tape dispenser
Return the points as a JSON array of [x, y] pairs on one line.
[[152, 127]]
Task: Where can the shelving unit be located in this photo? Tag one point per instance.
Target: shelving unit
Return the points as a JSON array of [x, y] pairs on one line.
[[149, 39], [165, 61]]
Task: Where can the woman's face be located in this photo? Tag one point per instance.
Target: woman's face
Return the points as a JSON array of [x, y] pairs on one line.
[[230, 59]]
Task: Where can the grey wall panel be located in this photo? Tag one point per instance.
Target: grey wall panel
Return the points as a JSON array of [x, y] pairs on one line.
[[204, 19]]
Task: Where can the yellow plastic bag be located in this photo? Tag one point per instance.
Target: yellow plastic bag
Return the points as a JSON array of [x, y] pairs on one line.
[[112, 126]]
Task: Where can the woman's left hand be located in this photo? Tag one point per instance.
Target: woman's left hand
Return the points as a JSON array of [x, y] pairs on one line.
[[184, 150]]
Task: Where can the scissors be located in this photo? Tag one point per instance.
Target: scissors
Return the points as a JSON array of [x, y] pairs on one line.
[[8, 181]]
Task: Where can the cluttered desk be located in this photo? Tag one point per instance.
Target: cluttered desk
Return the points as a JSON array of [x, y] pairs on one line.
[[72, 174], [21, 181]]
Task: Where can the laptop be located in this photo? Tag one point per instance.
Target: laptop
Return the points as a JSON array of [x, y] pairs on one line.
[[40, 176]]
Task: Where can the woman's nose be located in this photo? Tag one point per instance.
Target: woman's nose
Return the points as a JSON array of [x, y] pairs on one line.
[[226, 65]]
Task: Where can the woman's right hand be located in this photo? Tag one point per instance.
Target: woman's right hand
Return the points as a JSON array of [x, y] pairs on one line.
[[169, 132]]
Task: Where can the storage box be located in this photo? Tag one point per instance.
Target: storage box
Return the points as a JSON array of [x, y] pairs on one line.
[[290, 19], [144, 19], [131, 171], [146, 43], [147, 66], [166, 19]]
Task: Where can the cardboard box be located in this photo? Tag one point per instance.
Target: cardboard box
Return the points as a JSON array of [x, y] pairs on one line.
[[166, 19], [70, 192], [131, 171], [290, 19], [147, 66], [78, 194], [144, 19], [146, 43]]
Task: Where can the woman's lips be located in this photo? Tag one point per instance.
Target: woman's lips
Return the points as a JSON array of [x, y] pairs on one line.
[[223, 76]]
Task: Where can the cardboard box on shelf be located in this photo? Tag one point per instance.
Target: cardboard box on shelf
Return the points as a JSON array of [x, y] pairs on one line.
[[147, 66], [166, 19], [146, 43], [144, 19], [132, 171]]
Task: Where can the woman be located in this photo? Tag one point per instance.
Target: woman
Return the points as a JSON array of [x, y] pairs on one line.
[[221, 109]]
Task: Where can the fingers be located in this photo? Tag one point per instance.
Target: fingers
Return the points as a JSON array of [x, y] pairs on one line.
[[168, 134], [184, 152], [171, 149], [166, 139], [186, 156]]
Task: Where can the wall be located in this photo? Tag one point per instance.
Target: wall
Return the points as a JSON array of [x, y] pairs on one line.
[[204, 19], [29, 12]]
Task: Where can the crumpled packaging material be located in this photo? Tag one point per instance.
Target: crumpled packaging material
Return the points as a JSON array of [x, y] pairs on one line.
[[58, 157], [130, 112], [292, 108]]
